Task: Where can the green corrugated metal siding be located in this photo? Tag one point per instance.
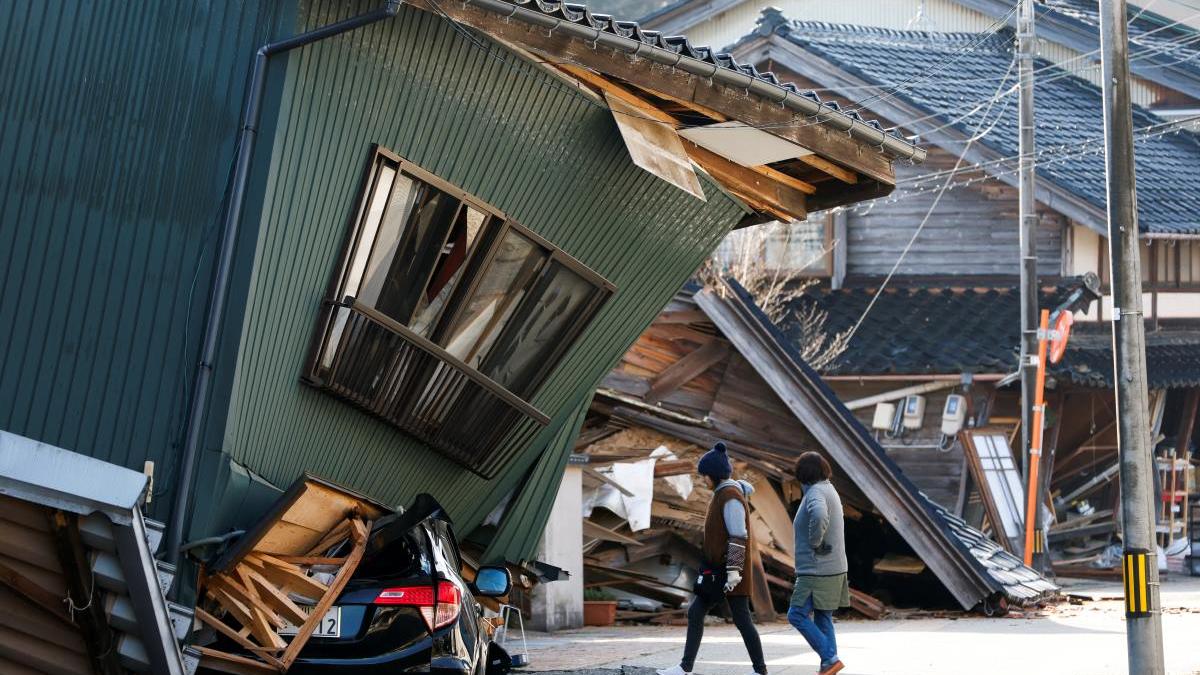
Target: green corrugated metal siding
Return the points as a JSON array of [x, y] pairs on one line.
[[520, 530], [519, 139], [117, 135]]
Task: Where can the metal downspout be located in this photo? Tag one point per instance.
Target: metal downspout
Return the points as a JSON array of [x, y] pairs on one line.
[[232, 223]]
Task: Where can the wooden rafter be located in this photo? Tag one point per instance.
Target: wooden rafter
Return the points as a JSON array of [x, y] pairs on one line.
[[686, 369], [818, 162], [764, 189]]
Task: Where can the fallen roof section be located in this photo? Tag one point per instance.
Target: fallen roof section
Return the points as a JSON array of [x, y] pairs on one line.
[[971, 566], [95, 508]]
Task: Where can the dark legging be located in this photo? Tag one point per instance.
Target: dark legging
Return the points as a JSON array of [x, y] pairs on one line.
[[739, 606]]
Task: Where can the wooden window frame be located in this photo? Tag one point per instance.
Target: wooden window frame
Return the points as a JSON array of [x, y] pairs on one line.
[[497, 225]]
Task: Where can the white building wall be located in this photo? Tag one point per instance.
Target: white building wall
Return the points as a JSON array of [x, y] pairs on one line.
[[558, 605]]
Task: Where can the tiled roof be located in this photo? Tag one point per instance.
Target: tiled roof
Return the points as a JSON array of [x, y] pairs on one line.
[[919, 330], [1172, 357], [944, 330], [1068, 111], [1019, 582], [1152, 37], [605, 30]]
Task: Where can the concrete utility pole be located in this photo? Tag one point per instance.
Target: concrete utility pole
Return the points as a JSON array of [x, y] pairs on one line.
[[1143, 618], [1028, 238]]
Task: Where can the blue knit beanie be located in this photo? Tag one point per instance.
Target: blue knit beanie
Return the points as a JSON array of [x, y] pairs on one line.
[[715, 463]]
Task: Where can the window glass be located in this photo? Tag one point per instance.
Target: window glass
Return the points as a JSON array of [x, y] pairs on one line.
[[540, 329], [449, 268], [495, 296], [384, 178], [411, 267], [387, 240]]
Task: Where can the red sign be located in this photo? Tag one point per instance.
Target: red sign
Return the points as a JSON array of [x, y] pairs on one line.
[[1060, 334]]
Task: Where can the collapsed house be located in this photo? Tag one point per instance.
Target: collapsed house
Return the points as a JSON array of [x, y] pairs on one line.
[[713, 366]]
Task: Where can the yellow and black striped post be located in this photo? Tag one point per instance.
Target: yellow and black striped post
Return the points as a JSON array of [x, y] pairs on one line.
[[1138, 602]]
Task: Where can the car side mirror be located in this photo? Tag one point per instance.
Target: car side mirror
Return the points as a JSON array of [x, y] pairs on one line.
[[492, 581]]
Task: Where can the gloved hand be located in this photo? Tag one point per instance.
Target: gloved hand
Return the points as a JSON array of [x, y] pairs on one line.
[[732, 579]]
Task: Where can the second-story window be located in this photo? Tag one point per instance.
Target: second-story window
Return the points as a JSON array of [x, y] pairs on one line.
[[488, 293]]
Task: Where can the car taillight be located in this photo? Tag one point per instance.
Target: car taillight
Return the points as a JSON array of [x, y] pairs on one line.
[[442, 613]]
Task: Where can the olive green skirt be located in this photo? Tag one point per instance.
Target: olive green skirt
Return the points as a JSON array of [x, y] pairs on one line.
[[828, 592]]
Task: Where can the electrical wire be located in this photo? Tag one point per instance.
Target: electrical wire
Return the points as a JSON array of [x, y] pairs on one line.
[[980, 132]]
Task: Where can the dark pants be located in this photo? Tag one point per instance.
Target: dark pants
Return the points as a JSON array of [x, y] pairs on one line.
[[739, 606]]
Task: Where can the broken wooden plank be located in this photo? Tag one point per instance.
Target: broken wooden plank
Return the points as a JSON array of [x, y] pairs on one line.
[[288, 577], [589, 471], [686, 369], [597, 531], [232, 663], [247, 617], [359, 532], [866, 605], [271, 595], [899, 564], [675, 467]]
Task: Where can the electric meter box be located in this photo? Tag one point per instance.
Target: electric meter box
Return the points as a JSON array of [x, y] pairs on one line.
[[884, 414], [954, 414], [914, 411]]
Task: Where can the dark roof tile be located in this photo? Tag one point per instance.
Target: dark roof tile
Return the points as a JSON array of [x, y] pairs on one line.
[[950, 330], [1068, 110]]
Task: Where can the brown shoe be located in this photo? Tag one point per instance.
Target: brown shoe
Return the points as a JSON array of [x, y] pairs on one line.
[[835, 668]]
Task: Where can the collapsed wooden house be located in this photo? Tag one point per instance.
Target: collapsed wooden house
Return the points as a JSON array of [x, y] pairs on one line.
[[712, 366]]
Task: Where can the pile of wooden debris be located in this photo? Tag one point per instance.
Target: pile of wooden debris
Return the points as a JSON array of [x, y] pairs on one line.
[[649, 563]]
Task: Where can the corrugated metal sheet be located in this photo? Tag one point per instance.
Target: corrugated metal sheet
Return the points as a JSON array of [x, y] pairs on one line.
[[515, 136], [118, 132], [520, 530]]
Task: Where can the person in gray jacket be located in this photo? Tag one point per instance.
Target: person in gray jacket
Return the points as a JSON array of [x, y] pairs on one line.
[[821, 582]]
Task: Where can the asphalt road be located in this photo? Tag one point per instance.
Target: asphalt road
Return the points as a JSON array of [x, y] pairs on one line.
[[1069, 639]]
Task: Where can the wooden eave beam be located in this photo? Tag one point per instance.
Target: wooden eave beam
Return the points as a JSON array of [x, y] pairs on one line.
[[682, 86], [818, 162]]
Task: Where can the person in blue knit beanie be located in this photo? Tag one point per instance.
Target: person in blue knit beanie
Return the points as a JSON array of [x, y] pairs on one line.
[[728, 551]]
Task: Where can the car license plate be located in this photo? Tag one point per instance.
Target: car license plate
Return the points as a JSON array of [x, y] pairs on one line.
[[330, 625]]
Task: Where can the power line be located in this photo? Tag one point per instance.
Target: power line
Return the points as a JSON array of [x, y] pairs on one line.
[[979, 133]]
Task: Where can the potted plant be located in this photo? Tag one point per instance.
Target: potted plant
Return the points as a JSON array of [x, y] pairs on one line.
[[599, 607]]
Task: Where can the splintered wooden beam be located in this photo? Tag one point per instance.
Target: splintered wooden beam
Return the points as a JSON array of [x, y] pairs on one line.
[[686, 369], [358, 533], [288, 577], [232, 663]]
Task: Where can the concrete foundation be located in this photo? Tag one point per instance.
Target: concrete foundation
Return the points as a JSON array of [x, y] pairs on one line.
[[558, 605]]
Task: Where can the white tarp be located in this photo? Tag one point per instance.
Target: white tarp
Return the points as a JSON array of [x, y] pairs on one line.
[[638, 479]]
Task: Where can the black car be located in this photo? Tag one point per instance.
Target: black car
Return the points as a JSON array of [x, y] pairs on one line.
[[407, 608]]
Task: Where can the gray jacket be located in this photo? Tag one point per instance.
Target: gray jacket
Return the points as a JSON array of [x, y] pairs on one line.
[[820, 532]]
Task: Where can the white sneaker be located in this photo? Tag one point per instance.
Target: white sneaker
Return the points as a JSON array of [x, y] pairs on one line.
[[673, 670]]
